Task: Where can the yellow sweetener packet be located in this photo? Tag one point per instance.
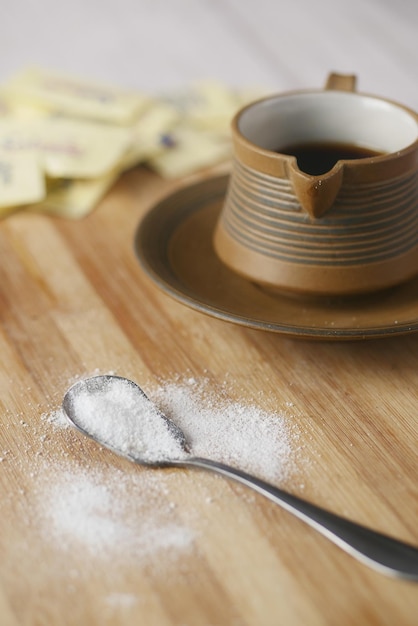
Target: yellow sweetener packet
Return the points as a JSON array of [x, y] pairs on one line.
[[212, 107], [21, 180], [74, 199], [80, 149], [76, 97], [191, 150], [251, 94], [67, 148], [19, 110], [150, 134], [5, 108]]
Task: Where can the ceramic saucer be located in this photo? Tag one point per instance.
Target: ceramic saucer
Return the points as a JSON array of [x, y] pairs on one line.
[[174, 247]]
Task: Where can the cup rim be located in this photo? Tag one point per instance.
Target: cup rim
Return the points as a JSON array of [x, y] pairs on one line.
[[237, 133]]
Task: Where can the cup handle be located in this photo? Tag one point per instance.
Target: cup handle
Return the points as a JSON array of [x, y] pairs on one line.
[[341, 82]]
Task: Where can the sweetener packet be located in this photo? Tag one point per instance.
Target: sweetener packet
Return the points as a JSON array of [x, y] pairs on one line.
[[66, 148], [190, 151], [5, 108], [150, 133], [15, 110], [21, 180], [250, 94], [76, 97], [212, 107], [80, 149], [74, 199]]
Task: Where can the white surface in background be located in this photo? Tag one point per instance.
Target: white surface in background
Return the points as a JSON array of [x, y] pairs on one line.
[[153, 45]]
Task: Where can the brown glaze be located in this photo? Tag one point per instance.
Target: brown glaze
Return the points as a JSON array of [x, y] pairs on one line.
[[351, 230], [174, 243]]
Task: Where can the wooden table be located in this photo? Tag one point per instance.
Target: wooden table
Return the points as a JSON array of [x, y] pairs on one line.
[[74, 301]]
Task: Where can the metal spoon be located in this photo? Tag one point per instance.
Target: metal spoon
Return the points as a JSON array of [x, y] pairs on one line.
[[383, 553]]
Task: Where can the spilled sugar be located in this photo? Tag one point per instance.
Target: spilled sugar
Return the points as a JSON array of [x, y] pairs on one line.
[[214, 426], [93, 509], [106, 511], [243, 435], [83, 519]]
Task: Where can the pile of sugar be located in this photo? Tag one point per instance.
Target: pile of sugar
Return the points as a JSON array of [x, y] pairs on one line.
[[119, 415], [104, 509], [118, 514], [238, 433]]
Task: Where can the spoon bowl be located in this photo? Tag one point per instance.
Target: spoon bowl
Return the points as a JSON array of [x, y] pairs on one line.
[[115, 412]]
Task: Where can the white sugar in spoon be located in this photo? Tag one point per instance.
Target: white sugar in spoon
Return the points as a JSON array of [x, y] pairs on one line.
[[116, 413]]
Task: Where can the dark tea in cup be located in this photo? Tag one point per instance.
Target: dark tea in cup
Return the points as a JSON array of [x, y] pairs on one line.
[[317, 158]]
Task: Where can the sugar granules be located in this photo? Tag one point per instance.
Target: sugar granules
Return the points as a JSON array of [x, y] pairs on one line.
[[118, 414], [93, 508], [99, 507], [238, 433]]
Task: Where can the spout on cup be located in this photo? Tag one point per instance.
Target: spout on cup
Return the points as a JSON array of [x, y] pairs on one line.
[[316, 194]]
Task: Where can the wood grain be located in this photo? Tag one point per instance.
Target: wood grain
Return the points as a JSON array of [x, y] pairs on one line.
[[74, 301]]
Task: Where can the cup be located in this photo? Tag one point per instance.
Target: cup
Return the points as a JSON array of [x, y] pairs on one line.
[[294, 221]]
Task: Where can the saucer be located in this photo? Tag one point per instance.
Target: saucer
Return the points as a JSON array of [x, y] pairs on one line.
[[173, 244]]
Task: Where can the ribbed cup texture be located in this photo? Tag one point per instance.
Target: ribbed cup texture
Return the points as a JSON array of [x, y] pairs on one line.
[[368, 223]]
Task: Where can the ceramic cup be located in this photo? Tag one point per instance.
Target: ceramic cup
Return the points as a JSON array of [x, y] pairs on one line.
[[348, 230]]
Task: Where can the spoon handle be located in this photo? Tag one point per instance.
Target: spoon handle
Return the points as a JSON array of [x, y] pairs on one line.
[[385, 554]]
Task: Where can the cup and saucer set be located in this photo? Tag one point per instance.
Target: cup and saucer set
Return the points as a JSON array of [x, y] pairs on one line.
[[314, 234]]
